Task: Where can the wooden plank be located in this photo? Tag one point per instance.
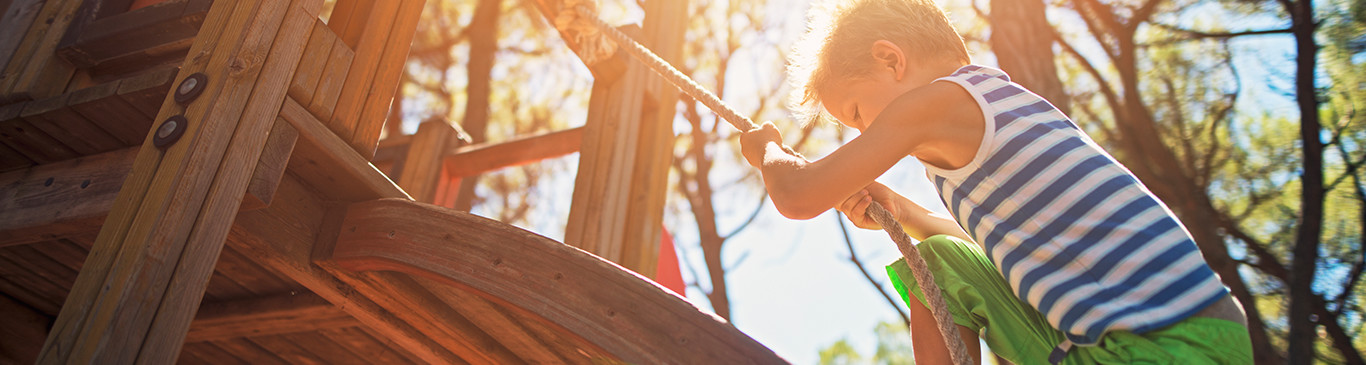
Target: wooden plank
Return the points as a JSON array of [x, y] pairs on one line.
[[422, 169], [329, 90], [85, 136], [54, 200], [148, 91], [273, 315], [329, 164], [311, 67], [389, 71], [369, 53], [478, 159], [21, 283], [23, 329], [282, 237], [497, 323], [367, 347], [349, 19], [27, 139], [249, 352], [34, 71], [244, 271], [324, 348], [102, 105], [177, 206], [14, 24], [271, 167], [629, 317]]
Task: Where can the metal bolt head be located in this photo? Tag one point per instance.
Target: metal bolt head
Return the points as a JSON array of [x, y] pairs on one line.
[[170, 131], [191, 87]]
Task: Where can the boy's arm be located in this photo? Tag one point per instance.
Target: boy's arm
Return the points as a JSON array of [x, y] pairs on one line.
[[918, 222], [914, 123]]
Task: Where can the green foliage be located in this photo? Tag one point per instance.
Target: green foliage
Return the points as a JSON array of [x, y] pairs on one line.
[[893, 348]]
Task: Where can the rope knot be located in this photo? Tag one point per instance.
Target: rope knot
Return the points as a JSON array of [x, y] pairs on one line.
[[575, 19]]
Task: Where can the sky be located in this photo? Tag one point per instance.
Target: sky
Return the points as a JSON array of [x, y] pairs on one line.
[[792, 285]]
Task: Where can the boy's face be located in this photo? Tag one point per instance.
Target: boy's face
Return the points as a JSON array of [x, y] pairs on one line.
[[857, 102]]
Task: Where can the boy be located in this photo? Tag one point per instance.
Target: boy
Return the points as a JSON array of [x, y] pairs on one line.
[[1052, 242]]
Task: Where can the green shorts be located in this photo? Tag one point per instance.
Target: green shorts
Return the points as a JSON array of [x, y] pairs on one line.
[[980, 299]]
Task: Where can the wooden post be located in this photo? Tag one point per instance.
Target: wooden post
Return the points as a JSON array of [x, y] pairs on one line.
[[147, 271], [618, 204], [381, 33], [423, 172]]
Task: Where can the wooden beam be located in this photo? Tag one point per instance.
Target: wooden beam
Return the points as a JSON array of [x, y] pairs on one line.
[[481, 158], [279, 314], [52, 201], [14, 24], [422, 171], [630, 318], [34, 71], [389, 71], [618, 202], [329, 164], [22, 329], [153, 257]]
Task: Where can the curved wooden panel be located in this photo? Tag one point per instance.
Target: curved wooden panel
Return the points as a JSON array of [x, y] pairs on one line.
[[619, 311]]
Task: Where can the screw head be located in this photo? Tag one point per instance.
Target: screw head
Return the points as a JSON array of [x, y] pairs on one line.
[[191, 87], [170, 131]]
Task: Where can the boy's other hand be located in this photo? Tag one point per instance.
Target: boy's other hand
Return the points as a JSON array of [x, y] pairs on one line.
[[856, 206], [754, 142]]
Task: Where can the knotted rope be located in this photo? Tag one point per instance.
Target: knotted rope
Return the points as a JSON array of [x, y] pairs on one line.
[[566, 20]]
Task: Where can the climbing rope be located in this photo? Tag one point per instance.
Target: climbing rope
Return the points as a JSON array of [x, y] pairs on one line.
[[957, 350]]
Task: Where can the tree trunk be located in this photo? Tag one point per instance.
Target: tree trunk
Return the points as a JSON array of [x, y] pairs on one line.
[[483, 33], [1303, 331], [1016, 26]]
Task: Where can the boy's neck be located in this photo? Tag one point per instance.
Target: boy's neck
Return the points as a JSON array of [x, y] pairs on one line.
[[933, 71]]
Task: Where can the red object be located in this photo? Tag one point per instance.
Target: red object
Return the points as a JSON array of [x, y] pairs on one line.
[[667, 272]]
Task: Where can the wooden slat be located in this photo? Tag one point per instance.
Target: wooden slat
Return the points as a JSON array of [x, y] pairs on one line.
[[51, 201], [23, 329], [369, 51], [29, 140], [329, 164], [17, 281], [349, 19], [102, 105], [478, 159], [14, 24], [367, 347], [422, 169], [316, 53], [282, 237], [389, 71], [83, 135], [34, 71], [147, 92], [330, 87], [629, 317], [273, 315], [249, 352], [271, 167], [175, 212], [497, 323]]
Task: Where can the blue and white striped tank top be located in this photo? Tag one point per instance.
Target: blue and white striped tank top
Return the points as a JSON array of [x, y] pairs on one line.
[[1074, 232]]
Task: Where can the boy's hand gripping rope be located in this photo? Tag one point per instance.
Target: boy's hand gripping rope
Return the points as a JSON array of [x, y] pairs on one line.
[[957, 350]]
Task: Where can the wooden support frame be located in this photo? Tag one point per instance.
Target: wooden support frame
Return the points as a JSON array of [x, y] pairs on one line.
[[423, 175], [106, 36], [170, 219], [283, 313], [33, 71], [618, 204], [584, 294]]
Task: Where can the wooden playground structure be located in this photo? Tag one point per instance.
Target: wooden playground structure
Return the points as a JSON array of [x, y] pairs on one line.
[[203, 181]]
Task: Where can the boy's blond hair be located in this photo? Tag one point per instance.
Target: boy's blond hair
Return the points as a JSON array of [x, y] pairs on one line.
[[840, 36]]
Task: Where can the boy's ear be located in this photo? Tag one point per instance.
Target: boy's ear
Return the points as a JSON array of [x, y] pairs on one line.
[[889, 57]]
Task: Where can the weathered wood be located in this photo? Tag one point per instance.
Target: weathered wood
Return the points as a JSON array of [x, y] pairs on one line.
[[52, 116], [271, 167], [23, 329], [145, 36], [103, 107], [249, 352], [379, 21], [54, 200], [14, 24], [389, 71], [423, 172], [499, 324], [349, 19], [374, 350], [329, 164], [29, 140], [34, 72], [311, 67], [618, 201], [279, 314], [282, 237], [481, 158], [628, 316], [169, 221], [330, 87], [147, 91]]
